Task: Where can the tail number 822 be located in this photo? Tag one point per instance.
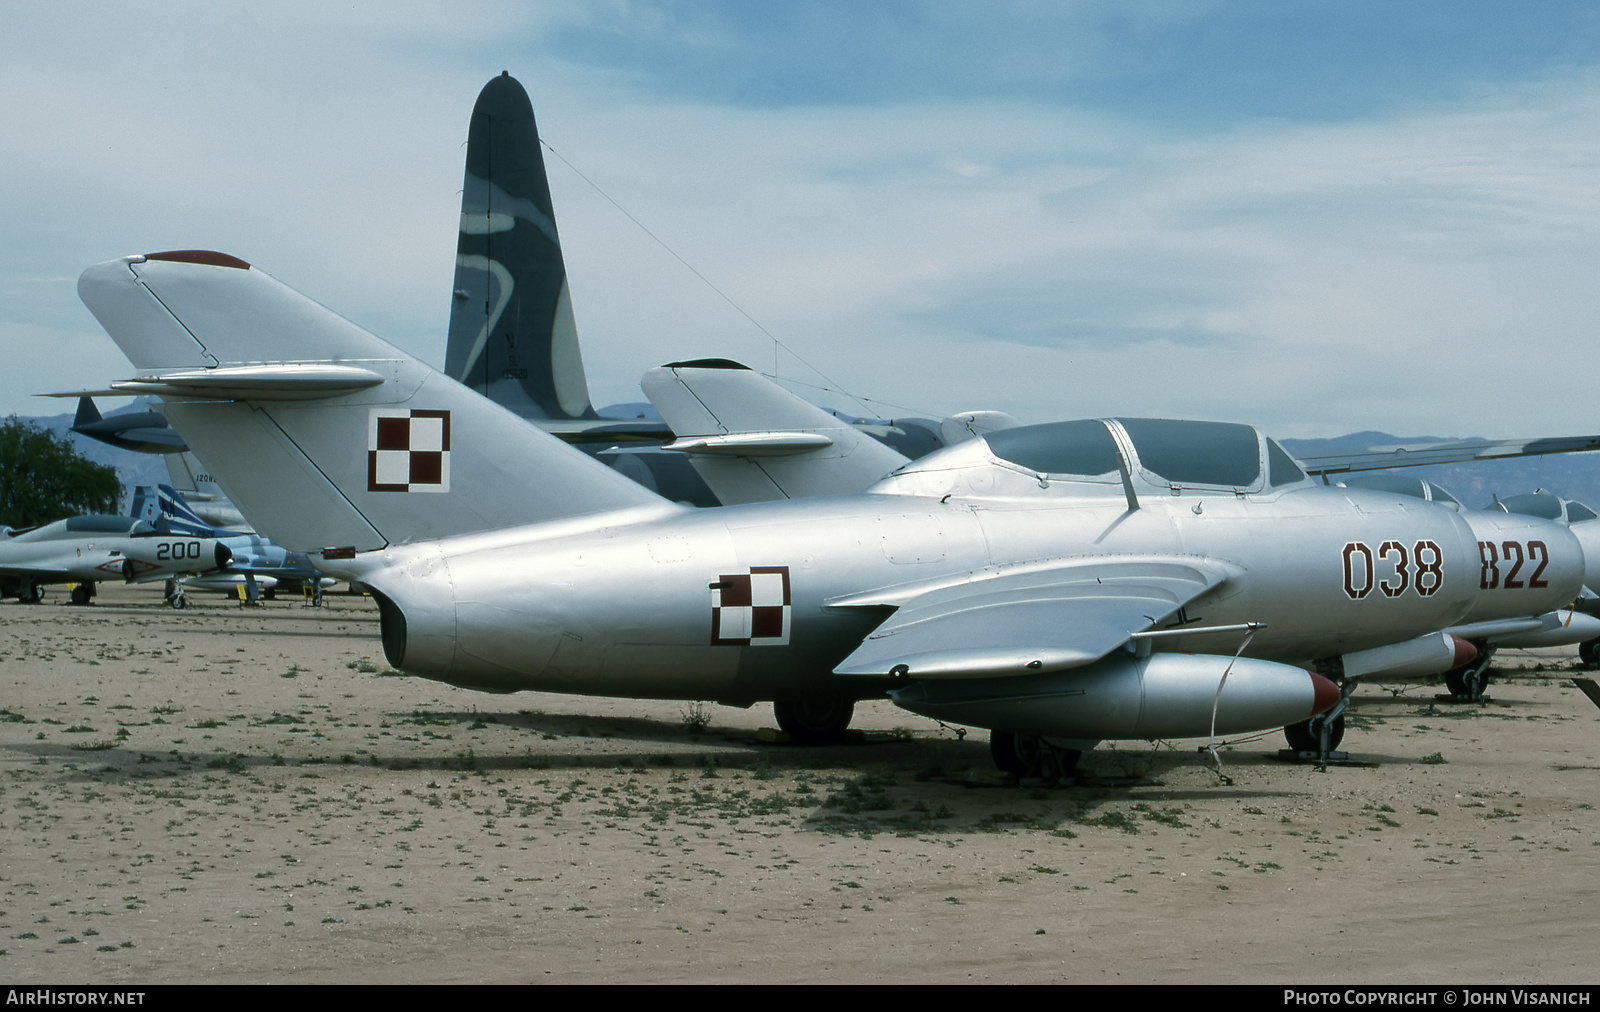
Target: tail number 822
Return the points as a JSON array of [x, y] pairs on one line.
[[1394, 570]]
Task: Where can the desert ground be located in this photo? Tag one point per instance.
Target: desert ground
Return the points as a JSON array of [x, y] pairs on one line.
[[248, 795]]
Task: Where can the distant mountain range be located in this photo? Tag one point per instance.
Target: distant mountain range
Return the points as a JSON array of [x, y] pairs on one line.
[[1571, 475]]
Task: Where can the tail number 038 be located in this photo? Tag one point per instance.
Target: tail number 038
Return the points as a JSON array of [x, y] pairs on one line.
[[1393, 569]]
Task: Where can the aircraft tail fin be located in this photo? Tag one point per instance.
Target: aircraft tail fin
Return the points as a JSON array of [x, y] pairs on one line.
[[145, 505], [751, 440], [87, 414], [971, 424], [189, 476], [180, 516], [512, 333], [329, 439], [165, 509], [190, 479]]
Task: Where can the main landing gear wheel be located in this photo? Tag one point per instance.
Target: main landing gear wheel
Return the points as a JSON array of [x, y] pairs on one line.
[[1027, 755], [1589, 653], [82, 593], [1306, 736], [1470, 680], [814, 721], [30, 593]]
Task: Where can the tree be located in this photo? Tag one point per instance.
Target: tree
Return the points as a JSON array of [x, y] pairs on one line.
[[43, 477]]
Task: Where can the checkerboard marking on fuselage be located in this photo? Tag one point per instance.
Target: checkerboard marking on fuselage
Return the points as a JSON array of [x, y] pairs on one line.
[[408, 450], [751, 609]]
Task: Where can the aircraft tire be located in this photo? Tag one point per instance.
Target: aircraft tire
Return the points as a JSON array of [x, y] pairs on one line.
[[1014, 753], [1589, 653], [814, 721], [1304, 737], [1026, 755], [1470, 680], [82, 593], [30, 593]]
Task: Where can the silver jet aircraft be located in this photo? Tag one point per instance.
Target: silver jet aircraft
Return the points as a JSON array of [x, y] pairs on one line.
[[86, 549], [751, 440], [1059, 584], [1585, 526]]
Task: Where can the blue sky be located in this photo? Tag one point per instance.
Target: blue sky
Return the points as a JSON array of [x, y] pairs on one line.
[[1317, 217]]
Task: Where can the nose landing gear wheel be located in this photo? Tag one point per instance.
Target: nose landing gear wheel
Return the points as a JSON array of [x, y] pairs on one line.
[[1469, 681], [1306, 736], [1589, 653]]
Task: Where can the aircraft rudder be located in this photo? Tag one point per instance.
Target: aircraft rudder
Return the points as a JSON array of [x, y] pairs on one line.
[[513, 336]]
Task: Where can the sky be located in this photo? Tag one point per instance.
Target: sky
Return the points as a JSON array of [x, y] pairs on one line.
[[1317, 217]]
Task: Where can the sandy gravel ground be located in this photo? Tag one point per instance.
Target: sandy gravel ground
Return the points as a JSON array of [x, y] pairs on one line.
[[237, 795]]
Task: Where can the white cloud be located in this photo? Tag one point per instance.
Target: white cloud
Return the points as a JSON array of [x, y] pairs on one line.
[[1423, 269]]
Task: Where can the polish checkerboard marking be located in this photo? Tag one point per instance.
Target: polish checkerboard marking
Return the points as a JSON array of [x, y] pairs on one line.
[[752, 608], [408, 450]]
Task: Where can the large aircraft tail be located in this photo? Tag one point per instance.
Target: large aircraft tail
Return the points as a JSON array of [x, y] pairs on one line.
[[329, 439], [512, 334], [751, 440], [205, 496]]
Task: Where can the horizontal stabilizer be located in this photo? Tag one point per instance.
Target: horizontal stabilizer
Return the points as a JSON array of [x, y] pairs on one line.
[[1038, 618], [105, 391], [752, 444], [276, 381]]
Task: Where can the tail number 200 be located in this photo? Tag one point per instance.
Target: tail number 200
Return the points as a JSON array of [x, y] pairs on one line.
[[170, 551], [1393, 569]]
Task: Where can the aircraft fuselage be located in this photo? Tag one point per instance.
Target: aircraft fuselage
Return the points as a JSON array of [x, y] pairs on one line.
[[733, 604]]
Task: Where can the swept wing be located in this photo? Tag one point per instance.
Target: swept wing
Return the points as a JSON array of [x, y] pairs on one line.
[[1038, 618]]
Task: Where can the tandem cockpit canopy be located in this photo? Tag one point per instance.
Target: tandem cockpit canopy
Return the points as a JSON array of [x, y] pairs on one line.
[[1547, 505], [1105, 456], [88, 524], [1401, 484]]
